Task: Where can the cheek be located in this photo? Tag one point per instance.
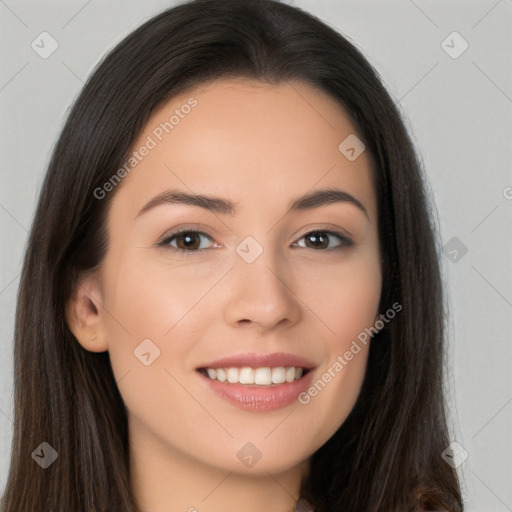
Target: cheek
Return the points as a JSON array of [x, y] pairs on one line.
[[150, 340], [155, 319], [345, 297], [149, 300], [355, 306], [144, 308], [352, 307], [347, 302], [334, 392]]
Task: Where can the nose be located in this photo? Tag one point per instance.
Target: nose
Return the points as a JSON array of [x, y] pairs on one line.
[[261, 293]]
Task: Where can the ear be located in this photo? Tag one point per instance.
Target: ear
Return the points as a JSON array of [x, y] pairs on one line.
[[85, 315]]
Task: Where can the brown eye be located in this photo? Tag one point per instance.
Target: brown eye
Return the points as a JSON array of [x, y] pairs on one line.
[[317, 240], [186, 241], [321, 240]]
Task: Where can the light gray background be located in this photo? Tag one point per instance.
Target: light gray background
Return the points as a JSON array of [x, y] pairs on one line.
[[458, 110]]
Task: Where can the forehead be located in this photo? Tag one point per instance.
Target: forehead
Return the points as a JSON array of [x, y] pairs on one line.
[[248, 140]]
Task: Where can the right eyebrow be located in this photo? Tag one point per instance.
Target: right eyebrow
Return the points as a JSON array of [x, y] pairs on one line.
[[213, 204]]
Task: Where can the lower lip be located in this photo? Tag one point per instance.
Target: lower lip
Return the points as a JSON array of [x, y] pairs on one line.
[[260, 398]]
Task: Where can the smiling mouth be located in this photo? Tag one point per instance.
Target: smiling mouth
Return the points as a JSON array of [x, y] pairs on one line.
[[262, 376]]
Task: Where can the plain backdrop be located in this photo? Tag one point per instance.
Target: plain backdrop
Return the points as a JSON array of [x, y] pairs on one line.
[[455, 92]]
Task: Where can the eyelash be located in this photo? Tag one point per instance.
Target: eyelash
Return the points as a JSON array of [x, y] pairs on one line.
[[345, 242]]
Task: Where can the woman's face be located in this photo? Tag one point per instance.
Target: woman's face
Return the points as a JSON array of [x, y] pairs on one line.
[[269, 277]]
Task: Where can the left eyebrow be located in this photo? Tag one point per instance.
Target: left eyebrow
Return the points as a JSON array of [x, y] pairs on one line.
[[323, 197], [214, 204]]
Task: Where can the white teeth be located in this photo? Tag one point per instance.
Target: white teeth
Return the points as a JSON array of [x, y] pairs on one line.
[[246, 376], [278, 375], [264, 376], [232, 374], [290, 374]]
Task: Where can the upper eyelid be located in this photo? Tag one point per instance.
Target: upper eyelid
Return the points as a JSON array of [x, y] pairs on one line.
[[168, 236]]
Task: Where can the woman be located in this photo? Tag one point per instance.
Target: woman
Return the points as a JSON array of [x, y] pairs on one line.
[[231, 296]]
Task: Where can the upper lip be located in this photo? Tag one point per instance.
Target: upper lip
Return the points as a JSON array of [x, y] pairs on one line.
[[254, 360]]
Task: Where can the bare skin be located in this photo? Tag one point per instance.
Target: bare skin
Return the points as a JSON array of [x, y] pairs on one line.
[[260, 146]]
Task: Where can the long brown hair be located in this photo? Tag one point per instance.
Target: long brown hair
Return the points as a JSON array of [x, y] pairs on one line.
[[388, 452]]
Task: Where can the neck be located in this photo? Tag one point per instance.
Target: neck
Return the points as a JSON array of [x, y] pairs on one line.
[[164, 479]]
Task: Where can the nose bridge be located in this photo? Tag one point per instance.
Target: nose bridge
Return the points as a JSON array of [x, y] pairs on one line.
[[260, 288]]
